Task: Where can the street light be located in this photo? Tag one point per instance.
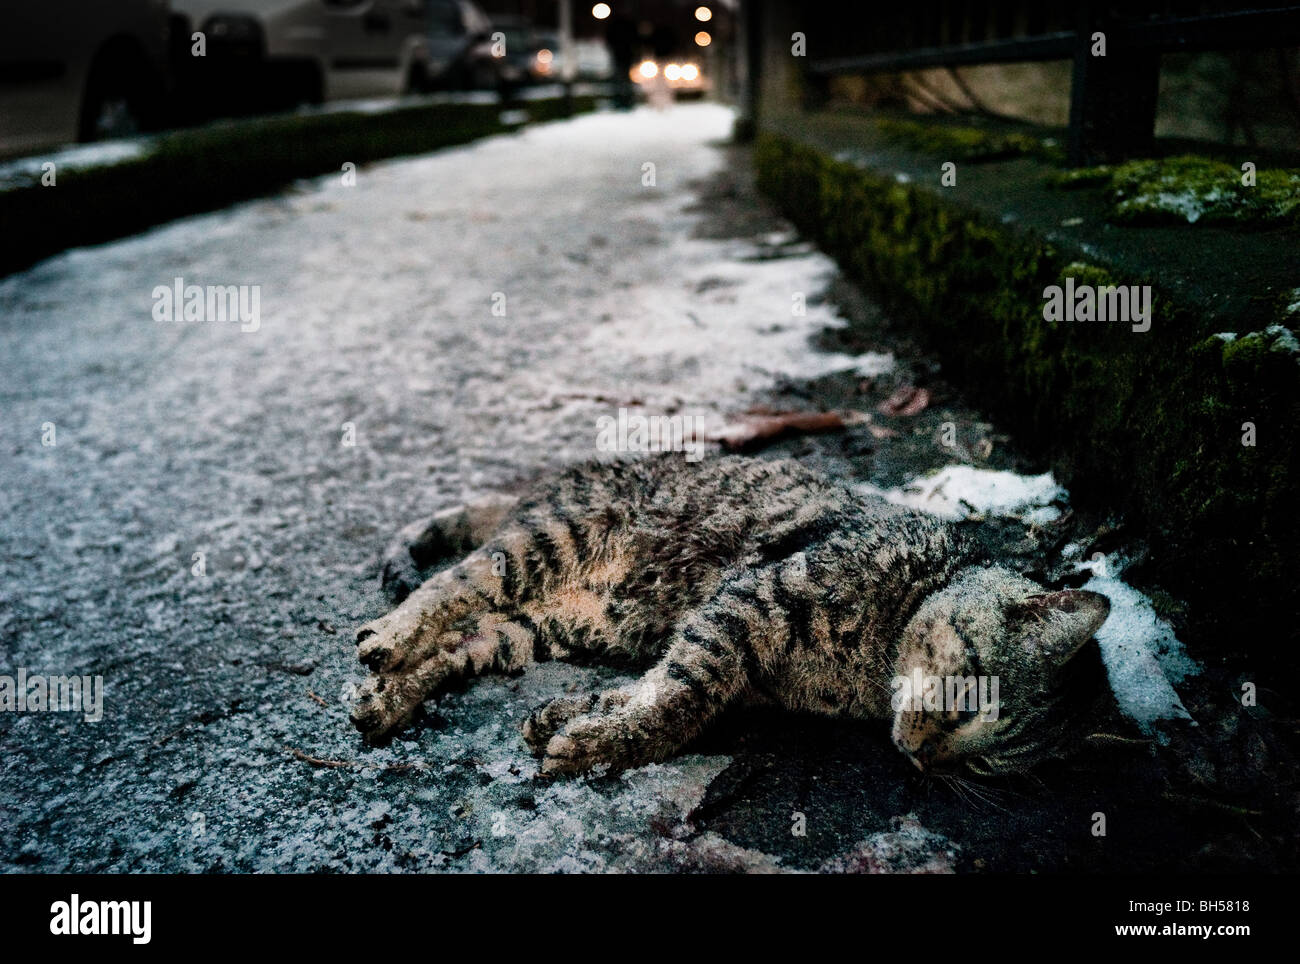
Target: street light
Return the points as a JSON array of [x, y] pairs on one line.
[[703, 14], [600, 11], [703, 39]]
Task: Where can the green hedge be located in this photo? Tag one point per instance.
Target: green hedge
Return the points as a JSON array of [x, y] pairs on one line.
[[191, 171]]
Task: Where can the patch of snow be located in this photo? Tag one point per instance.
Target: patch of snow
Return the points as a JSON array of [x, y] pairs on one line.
[[907, 848], [1283, 339], [958, 492], [23, 171], [1143, 657], [1293, 309]]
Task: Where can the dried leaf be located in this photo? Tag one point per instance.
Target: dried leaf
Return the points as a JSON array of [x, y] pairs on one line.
[[760, 428], [907, 400]]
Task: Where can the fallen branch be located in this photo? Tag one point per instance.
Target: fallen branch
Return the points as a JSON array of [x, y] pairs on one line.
[[317, 761]]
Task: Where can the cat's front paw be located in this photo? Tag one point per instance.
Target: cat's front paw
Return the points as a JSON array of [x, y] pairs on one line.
[[604, 741], [382, 705], [578, 751], [549, 718]]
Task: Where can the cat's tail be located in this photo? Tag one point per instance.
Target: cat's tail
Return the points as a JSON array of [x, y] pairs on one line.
[[441, 538]]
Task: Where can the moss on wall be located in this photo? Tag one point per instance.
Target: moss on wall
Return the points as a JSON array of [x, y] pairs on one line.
[[1150, 423], [1191, 189], [972, 144]]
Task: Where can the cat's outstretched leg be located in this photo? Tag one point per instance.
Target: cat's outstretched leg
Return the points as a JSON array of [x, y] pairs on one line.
[[446, 535], [453, 626], [431, 639], [703, 671]]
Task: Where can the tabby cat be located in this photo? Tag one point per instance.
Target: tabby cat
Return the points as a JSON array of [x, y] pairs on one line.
[[727, 581]]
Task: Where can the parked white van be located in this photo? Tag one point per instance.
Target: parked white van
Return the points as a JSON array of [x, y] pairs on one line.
[[310, 50], [81, 70]]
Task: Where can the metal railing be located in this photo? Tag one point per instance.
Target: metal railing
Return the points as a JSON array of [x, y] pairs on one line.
[[1112, 97]]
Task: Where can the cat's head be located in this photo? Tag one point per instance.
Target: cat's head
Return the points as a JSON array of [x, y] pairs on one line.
[[994, 680]]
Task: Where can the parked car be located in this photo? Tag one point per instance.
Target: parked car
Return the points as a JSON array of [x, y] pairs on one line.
[[81, 70], [459, 42], [522, 43], [307, 50], [592, 60]]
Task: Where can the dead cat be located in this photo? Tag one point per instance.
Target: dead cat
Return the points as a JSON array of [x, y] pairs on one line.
[[728, 581]]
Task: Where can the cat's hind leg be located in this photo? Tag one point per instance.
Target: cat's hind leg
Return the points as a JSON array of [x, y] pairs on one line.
[[444, 536]]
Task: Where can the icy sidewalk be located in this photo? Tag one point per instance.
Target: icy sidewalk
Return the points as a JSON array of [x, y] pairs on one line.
[[204, 531], [203, 528]]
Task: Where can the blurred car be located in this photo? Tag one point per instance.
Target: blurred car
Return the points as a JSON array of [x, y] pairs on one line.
[[595, 62], [682, 77], [306, 50], [592, 60], [459, 40], [81, 70], [521, 43]]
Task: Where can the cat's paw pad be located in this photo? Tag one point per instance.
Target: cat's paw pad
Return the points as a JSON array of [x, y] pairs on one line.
[[549, 718]]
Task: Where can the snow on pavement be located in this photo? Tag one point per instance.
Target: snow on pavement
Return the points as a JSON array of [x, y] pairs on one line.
[[200, 534]]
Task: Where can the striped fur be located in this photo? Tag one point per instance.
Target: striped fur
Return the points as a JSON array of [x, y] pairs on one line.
[[734, 580]]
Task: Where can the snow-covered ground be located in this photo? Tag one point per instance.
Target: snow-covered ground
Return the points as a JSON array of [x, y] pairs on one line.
[[203, 530], [175, 439]]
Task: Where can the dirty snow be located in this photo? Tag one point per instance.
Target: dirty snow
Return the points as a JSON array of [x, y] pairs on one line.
[[200, 536], [177, 439], [958, 492], [1284, 340], [24, 171], [1144, 659]]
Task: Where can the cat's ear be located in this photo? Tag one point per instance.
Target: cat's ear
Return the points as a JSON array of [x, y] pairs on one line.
[[1059, 623]]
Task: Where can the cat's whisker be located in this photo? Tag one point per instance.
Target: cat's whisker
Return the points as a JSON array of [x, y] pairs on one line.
[[964, 791], [879, 685], [983, 794]]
